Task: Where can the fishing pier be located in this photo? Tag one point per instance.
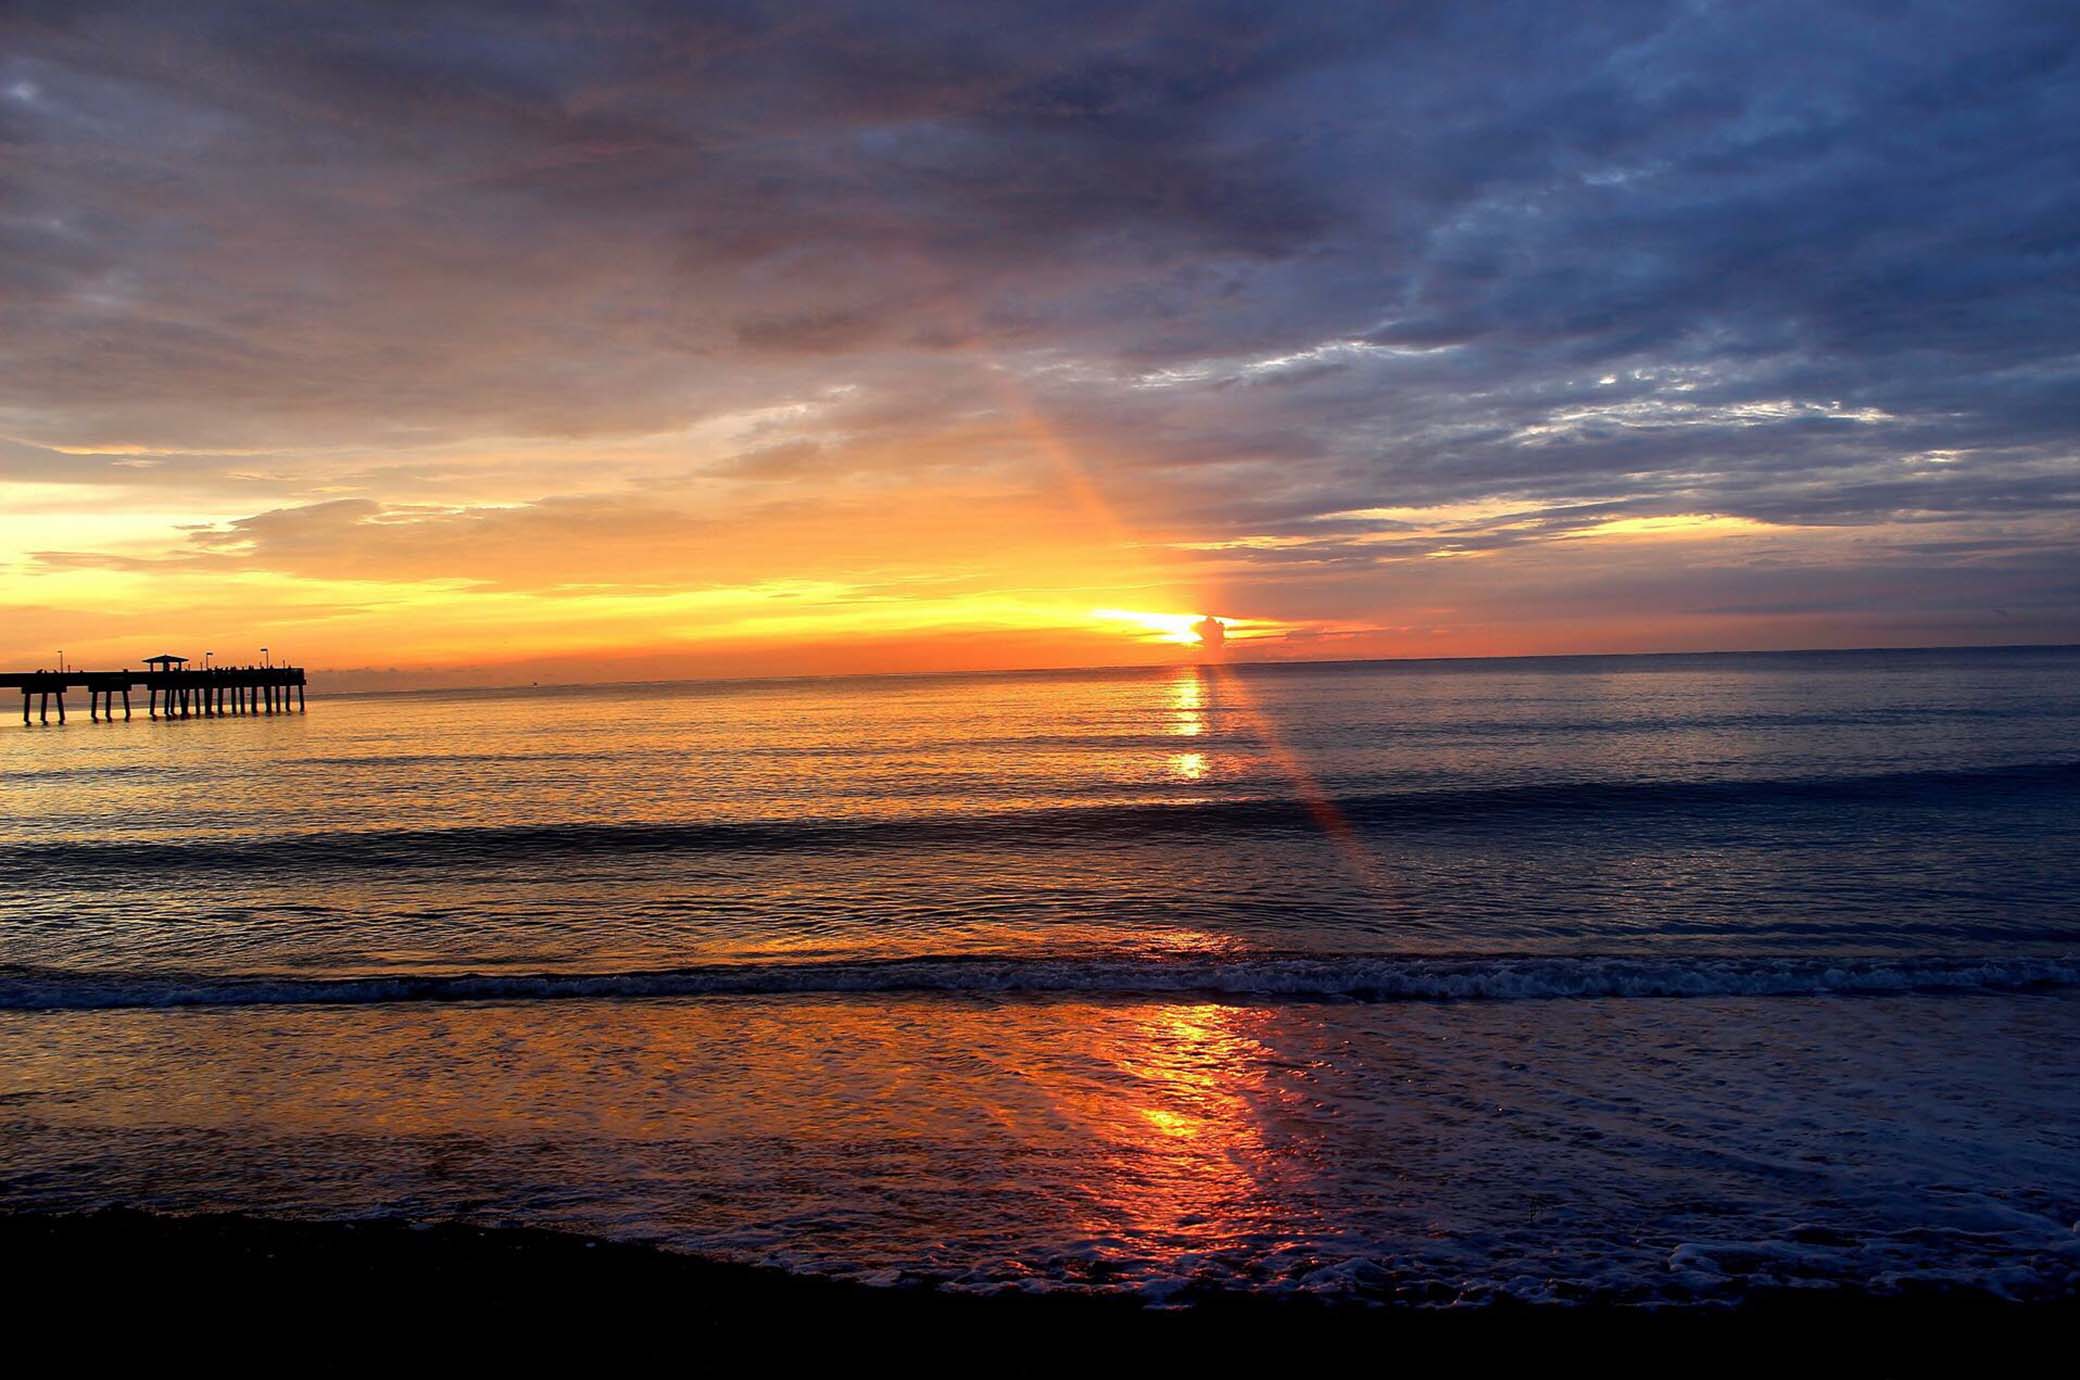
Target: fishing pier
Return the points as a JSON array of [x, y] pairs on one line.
[[171, 690]]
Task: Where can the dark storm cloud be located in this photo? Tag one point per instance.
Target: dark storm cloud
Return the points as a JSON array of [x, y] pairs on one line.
[[1257, 265]]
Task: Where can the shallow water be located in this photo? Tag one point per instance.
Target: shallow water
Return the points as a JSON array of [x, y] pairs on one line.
[[1637, 977]]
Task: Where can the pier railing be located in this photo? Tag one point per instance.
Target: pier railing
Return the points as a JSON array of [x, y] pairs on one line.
[[218, 690]]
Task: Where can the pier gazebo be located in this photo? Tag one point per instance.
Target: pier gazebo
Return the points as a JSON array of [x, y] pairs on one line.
[[164, 665]]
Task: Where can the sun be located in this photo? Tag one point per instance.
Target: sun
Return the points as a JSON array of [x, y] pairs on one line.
[[1177, 629]]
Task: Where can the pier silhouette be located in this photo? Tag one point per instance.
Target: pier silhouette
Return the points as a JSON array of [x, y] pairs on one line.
[[171, 689]]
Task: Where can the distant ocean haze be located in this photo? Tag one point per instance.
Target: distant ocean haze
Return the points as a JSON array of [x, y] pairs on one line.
[[1581, 977]]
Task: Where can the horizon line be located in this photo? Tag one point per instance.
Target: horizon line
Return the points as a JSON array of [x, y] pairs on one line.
[[1182, 664]]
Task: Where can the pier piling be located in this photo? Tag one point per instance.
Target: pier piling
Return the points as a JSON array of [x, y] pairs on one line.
[[172, 691]]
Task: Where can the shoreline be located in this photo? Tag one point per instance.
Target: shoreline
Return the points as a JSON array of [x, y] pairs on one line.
[[302, 1274]]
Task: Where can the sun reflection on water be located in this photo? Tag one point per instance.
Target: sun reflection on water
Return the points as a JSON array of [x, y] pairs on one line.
[[1190, 694], [1190, 703], [1180, 1151]]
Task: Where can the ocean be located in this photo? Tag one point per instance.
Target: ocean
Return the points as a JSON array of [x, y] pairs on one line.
[[1632, 979]]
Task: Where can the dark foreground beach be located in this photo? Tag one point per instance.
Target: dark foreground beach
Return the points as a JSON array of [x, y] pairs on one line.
[[259, 1277]]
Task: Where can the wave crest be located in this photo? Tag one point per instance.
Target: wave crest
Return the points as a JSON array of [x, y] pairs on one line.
[[1471, 808], [1292, 977]]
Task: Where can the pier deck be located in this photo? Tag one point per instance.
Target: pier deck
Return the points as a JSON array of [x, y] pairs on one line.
[[172, 692]]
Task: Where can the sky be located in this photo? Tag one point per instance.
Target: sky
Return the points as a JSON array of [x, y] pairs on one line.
[[456, 343]]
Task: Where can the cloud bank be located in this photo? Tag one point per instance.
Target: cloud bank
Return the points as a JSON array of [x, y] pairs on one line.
[[1414, 326]]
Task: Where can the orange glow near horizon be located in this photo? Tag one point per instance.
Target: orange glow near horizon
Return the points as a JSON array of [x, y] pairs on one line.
[[992, 546], [1027, 570]]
